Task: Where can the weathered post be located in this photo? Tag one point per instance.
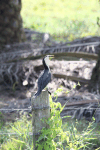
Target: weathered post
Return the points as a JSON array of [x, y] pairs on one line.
[[40, 110]]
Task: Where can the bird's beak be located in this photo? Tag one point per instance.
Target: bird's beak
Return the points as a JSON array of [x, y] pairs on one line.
[[51, 56]]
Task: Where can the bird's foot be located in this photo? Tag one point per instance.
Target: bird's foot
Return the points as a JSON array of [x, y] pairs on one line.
[[48, 91]]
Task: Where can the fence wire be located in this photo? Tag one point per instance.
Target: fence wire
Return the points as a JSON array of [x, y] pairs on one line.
[[50, 108], [30, 133]]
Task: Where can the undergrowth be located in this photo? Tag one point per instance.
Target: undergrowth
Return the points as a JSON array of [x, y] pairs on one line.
[[61, 135], [64, 137]]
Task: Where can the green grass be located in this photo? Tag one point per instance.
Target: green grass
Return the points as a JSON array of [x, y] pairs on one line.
[[21, 139], [81, 128], [65, 134], [75, 130], [63, 19]]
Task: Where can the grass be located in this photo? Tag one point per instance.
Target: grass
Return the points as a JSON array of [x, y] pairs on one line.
[[17, 137], [66, 134], [23, 141], [63, 19], [82, 128]]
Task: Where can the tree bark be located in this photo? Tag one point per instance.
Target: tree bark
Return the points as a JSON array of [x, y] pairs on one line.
[[94, 84], [11, 30]]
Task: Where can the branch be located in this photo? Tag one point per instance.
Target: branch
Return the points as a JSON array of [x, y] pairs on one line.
[[85, 50], [73, 78]]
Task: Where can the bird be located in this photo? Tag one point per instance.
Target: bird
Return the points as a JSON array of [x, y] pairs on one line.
[[45, 76]]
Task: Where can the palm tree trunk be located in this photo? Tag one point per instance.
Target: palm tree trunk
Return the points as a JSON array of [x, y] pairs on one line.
[[94, 84], [11, 30]]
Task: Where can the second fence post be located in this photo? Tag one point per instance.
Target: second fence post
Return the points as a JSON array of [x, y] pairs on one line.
[[40, 110]]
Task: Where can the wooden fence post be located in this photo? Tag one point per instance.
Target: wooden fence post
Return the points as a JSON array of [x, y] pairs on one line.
[[40, 110]]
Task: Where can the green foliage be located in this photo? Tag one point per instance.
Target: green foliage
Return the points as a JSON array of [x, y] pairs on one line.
[[63, 19], [59, 90], [62, 134], [1, 120], [55, 131], [19, 138], [56, 137], [74, 87]]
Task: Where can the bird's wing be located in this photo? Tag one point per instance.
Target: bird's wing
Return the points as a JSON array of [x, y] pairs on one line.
[[44, 80]]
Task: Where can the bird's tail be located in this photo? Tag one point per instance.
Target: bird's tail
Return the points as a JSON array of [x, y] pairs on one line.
[[37, 94]]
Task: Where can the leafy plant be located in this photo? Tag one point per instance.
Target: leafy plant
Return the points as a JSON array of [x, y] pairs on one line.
[[17, 136], [62, 134], [55, 137], [54, 131]]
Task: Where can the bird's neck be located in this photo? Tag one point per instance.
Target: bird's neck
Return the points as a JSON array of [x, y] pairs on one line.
[[44, 64]]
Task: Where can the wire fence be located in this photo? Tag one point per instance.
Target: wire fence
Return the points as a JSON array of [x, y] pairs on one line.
[[51, 108], [12, 109], [30, 109], [30, 133]]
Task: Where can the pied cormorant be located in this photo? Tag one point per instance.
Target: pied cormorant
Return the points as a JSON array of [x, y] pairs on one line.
[[45, 76]]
